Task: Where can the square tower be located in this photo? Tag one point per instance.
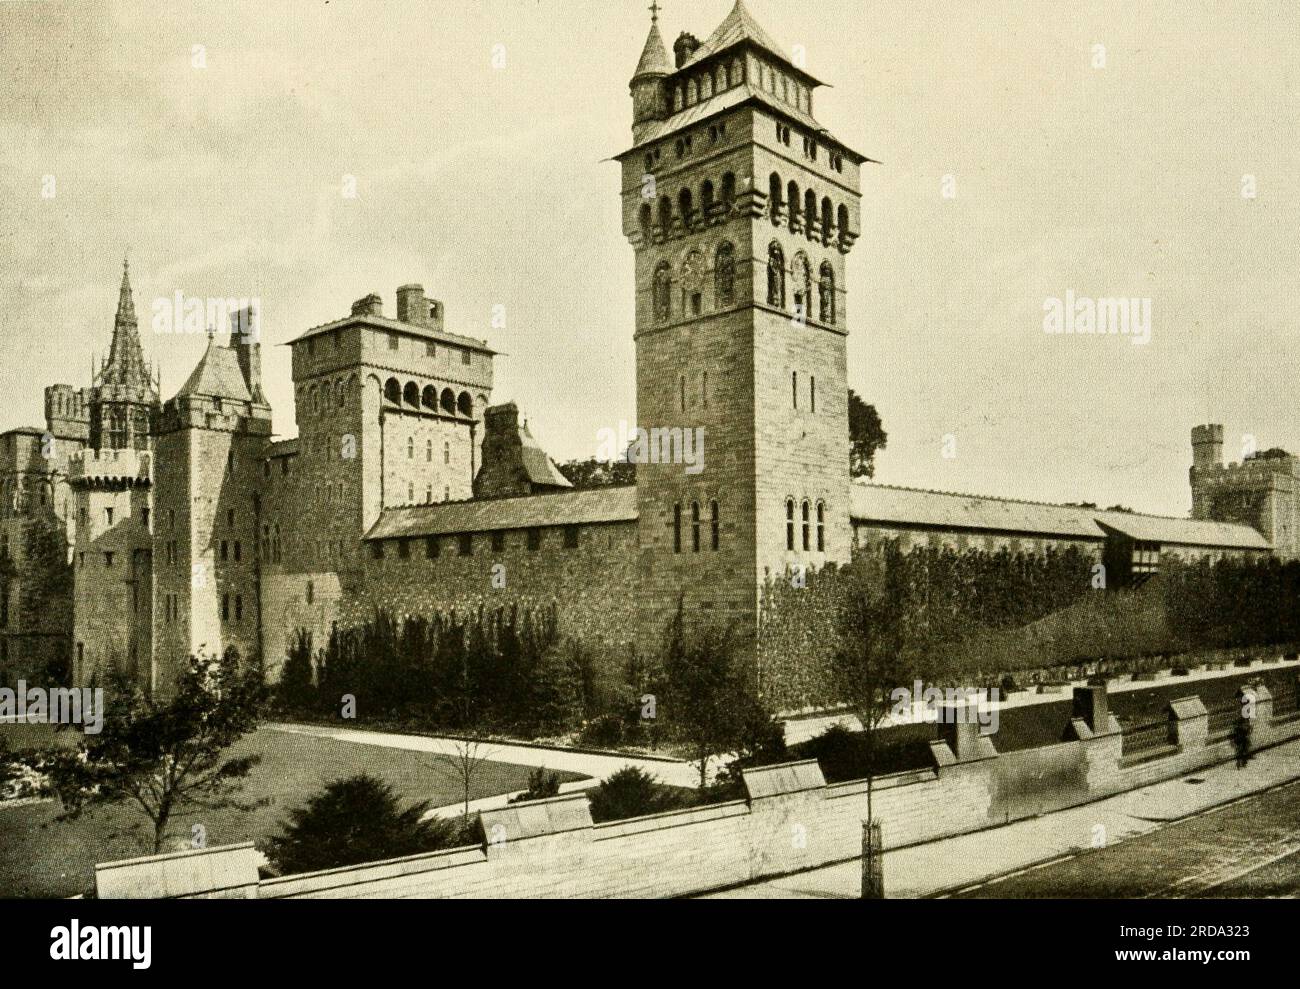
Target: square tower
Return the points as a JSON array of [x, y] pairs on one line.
[[390, 413], [742, 209]]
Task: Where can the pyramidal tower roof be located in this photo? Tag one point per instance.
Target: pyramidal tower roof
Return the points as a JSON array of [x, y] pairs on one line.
[[737, 26], [125, 364], [217, 375]]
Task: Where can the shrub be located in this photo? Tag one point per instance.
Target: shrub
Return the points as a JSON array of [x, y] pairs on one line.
[[605, 731], [541, 785], [354, 820], [630, 792]]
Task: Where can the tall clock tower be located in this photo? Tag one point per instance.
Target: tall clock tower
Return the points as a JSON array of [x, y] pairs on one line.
[[741, 208]]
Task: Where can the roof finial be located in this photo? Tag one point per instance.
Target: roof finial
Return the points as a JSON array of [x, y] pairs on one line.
[[654, 11]]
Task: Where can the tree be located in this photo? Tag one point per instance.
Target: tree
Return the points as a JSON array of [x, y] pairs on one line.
[[892, 632], [595, 473], [165, 757], [629, 792], [295, 691], [463, 765], [352, 820], [866, 436], [710, 698]]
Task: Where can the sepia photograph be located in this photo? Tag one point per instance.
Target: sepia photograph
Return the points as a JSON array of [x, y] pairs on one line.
[[503, 450]]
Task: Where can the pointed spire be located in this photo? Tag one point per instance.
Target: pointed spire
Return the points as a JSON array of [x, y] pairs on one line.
[[125, 364], [654, 57], [125, 302]]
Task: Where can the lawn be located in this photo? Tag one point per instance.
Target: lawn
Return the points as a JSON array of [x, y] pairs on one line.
[[40, 857]]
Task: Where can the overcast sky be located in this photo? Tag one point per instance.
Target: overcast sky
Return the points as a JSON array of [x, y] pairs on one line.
[[489, 186]]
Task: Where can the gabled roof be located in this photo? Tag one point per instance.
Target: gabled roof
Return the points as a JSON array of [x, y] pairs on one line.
[[886, 505], [576, 507], [737, 27], [217, 375]]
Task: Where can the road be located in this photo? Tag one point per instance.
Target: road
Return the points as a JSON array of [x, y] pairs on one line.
[[1249, 848]]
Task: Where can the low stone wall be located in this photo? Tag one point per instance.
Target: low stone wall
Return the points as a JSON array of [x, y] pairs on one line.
[[791, 820]]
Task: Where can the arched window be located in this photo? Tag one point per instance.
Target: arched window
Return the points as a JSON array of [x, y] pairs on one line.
[[706, 199], [724, 275], [447, 400], [807, 540], [695, 527], [410, 448], [792, 202], [446, 451], [775, 275], [802, 275], [141, 429], [720, 78], [685, 207], [728, 192], [828, 220], [647, 218], [428, 451], [713, 524], [774, 197], [341, 389], [826, 286], [663, 283], [821, 527], [842, 221], [789, 524], [411, 394], [677, 527], [810, 211], [117, 429], [465, 405], [393, 391], [665, 215], [693, 284], [429, 398]]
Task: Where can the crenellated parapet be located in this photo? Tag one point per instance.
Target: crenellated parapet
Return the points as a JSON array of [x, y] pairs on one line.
[[110, 469]]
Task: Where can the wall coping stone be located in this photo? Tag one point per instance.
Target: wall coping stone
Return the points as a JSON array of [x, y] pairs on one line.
[[1183, 708], [786, 777]]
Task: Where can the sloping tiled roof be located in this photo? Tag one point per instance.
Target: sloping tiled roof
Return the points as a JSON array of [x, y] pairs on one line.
[[384, 323], [912, 506], [877, 503], [1193, 532], [217, 374], [541, 468], [583, 507]]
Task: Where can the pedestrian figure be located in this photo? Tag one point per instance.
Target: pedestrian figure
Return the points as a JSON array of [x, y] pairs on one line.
[[1241, 741]]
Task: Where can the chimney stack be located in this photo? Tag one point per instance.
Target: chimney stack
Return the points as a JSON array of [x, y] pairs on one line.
[[371, 305], [245, 334], [411, 307], [684, 47]]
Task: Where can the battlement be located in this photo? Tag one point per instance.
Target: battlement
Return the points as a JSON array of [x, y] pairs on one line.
[[95, 467]]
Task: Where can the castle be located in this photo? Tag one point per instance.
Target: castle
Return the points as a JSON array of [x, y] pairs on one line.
[[136, 531]]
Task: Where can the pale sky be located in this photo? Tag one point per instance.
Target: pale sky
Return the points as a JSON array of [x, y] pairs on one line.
[[488, 186]]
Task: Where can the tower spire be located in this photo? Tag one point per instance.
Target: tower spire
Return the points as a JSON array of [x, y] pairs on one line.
[[125, 302], [654, 12], [125, 364]]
